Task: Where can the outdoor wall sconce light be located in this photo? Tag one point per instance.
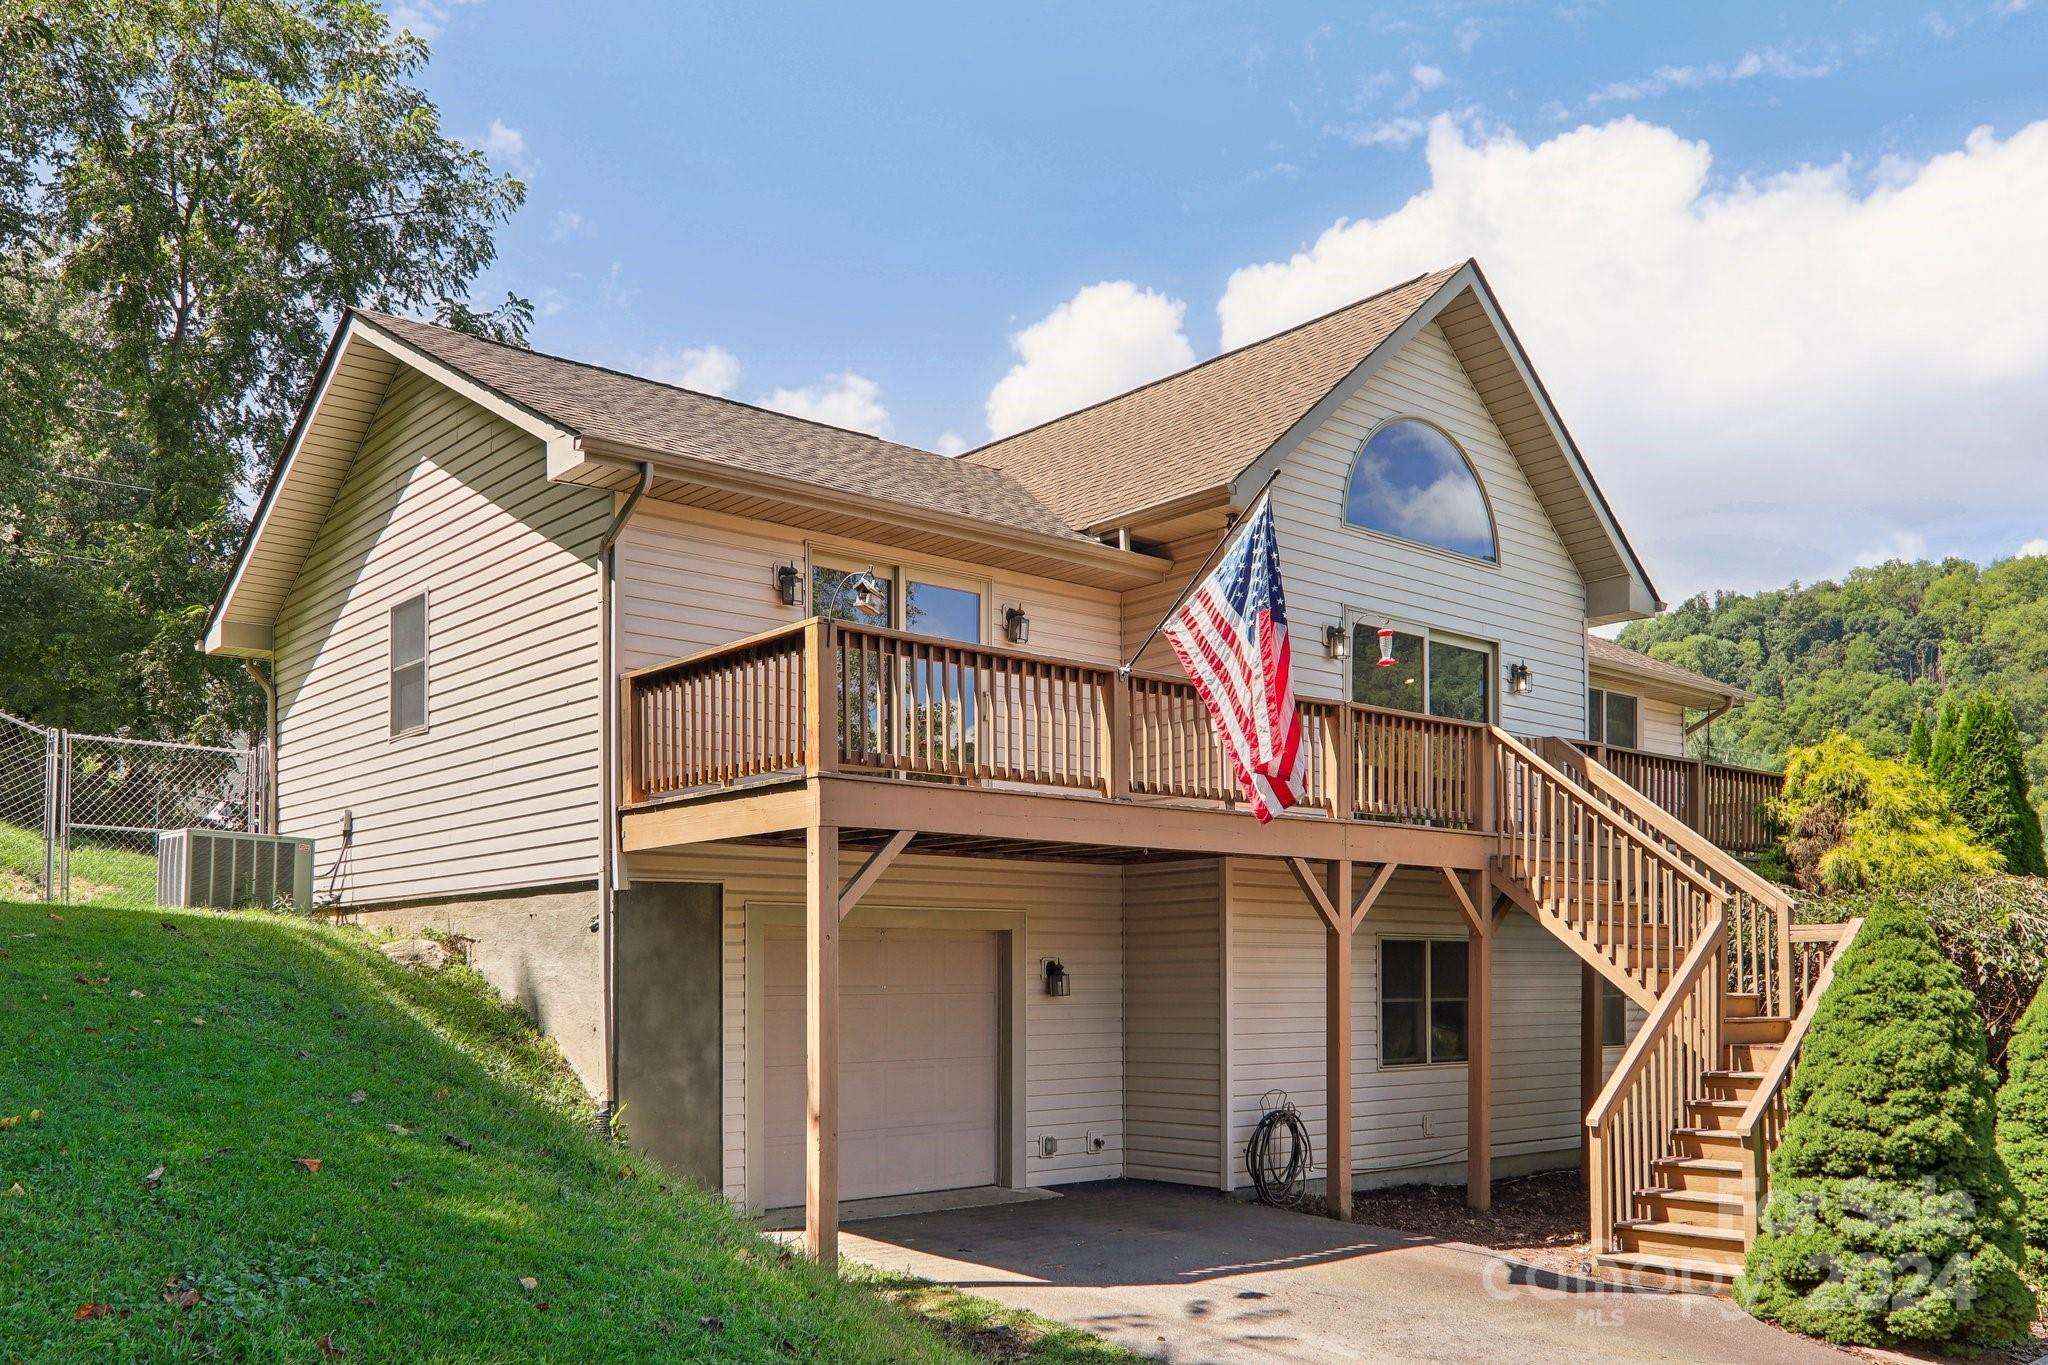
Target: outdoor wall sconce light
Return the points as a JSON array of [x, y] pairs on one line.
[[1519, 679], [868, 593], [1335, 643], [1386, 659], [1058, 981], [1016, 626], [789, 584]]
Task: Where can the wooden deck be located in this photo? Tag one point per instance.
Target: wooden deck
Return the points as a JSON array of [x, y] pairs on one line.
[[956, 724]]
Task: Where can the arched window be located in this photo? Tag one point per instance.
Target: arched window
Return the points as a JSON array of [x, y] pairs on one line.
[[1410, 480]]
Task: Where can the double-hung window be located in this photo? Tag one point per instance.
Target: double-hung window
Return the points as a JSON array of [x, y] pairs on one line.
[[408, 682], [1422, 1001]]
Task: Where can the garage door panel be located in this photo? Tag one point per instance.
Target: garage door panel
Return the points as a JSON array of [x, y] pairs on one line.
[[919, 1070]]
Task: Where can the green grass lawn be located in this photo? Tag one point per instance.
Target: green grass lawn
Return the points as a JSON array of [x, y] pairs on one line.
[[101, 873], [168, 1081]]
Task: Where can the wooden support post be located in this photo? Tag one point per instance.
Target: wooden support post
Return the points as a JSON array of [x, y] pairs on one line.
[[1344, 756], [821, 1044], [1592, 1058], [1337, 935], [821, 695], [1116, 738], [1479, 1063]]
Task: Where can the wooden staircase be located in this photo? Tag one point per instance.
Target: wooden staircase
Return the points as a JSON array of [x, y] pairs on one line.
[[1679, 1140]]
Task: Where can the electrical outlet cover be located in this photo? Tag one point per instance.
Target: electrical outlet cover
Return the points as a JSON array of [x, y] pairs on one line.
[[1048, 1145]]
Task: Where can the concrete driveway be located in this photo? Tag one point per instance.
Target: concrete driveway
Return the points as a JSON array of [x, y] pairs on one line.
[[1187, 1275]]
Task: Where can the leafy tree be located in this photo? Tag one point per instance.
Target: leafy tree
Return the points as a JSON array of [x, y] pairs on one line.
[[1920, 744], [190, 192], [1892, 1218], [1860, 822], [1982, 767], [2023, 1127]]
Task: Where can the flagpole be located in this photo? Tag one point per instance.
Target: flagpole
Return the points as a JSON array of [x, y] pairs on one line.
[[1236, 529]]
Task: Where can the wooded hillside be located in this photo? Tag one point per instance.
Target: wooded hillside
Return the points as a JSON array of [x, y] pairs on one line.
[[1867, 654]]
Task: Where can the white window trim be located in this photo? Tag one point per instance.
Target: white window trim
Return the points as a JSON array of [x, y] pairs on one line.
[[1486, 499], [1379, 1048], [1605, 693], [425, 598], [1357, 616]]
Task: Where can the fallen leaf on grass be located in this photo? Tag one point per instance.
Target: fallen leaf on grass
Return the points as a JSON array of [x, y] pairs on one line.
[[14, 1191], [197, 1022], [88, 1311], [153, 1179], [528, 1283], [311, 1163], [56, 918], [541, 1307], [399, 1129], [459, 1144], [186, 1298], [9, 1122], [328, 1348], [357, 1096], [137, 995], [35, 1116], [625, 1172], [713, 1324], [441, 1093]]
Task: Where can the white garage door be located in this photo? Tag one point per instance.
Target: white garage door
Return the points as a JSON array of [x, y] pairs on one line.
[[917, 1062]]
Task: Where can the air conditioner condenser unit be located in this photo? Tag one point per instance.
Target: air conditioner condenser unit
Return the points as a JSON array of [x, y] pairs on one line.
[[226, 870]]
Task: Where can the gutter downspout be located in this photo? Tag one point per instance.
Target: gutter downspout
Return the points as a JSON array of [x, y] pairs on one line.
[[608, 794], [269, 687]]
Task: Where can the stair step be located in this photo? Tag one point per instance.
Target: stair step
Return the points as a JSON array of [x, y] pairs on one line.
[[1751, 1056], [1669, 1272], [1715, 1143], [1740, 1005], [1661, 1203], [1689, 1241], [1719, 1115], [1707, 1175], [1764, 1028], [1738, 1083]]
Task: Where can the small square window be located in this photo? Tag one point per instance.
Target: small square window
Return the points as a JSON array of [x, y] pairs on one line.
[[409, 665]]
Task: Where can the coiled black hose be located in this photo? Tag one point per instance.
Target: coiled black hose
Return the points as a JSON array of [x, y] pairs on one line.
[[1279, 1156]]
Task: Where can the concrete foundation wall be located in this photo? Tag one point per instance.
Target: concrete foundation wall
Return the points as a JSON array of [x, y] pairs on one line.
[[537, 949], [670, 1027]]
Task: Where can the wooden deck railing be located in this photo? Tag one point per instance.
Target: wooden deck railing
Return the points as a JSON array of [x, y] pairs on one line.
[[824, 696], [1816, 951], [1726, 804]]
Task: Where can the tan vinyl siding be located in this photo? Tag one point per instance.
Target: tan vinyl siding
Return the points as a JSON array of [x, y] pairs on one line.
[[1404, 1119], [1663, 727], [1532, 604], [689, 580], [500, 790], [1073, 1046], [1173, 1024]]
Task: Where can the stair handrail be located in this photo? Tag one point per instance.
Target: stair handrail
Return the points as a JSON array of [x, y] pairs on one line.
[[1775, 1074], [1721, 863], [1657, 851], [1613, 1170], [1656, 1021]]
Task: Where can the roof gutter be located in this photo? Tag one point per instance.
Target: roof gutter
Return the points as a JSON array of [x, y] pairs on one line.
[[608, 859], [1727, 705]]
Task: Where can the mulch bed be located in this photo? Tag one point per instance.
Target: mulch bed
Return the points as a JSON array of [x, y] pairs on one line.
[[1538, 1218]]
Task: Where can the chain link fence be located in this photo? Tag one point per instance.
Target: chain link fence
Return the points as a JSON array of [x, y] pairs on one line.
[[80, 814]]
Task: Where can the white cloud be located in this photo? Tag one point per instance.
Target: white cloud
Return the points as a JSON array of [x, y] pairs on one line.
[[1768, 61], [550, 302], [2037, 546], [1386, 132], [1466, 35], [568, 224], [1426, 77], [841, 400], [1769, 376], [2008, 7], [1940, 26], [1107, 338], [613, 290], [950, 443], [506, 147], [707, 369]]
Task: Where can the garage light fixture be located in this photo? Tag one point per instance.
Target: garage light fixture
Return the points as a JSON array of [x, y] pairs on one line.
[[789, 584], [1058, 980], [1016, 626], [1336, 643], [1520, 680]]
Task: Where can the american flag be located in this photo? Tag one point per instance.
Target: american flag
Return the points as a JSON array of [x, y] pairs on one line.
[[1231, 636]]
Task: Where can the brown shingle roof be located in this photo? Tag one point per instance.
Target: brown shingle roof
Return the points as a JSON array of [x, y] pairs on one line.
[[602, 404], [1608, 654], [1202, 427]]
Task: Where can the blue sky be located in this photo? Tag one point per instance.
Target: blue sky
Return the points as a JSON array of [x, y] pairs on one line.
[[935, 219]]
